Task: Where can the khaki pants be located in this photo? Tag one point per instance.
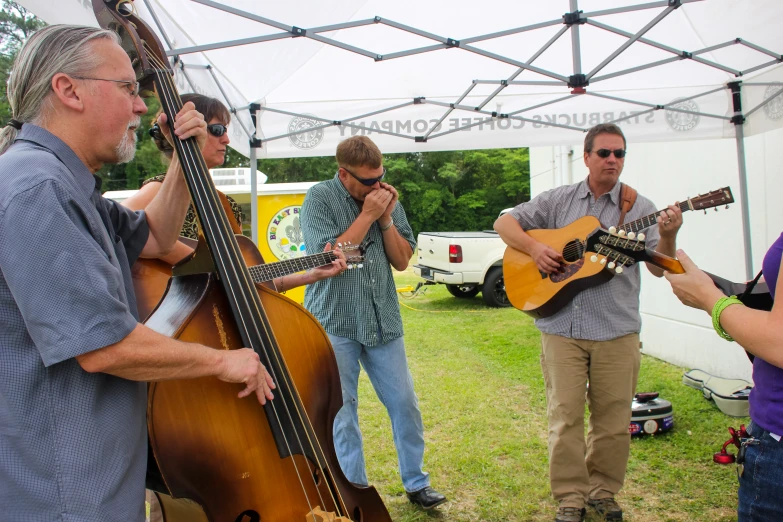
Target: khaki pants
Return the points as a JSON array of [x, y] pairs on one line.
[[579, 470]]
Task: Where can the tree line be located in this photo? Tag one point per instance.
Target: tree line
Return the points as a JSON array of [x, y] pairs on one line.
[[441, 191]]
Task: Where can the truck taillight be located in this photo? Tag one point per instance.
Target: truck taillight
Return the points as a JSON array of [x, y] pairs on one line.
[[455, 254]]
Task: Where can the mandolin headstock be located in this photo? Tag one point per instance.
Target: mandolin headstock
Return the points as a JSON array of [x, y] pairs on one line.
[[617, 249]]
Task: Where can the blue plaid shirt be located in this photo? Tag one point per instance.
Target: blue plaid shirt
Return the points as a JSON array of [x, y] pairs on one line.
[[73, 445], [361, 303]]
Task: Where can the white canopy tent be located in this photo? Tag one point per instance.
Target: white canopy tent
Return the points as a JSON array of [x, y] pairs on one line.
[[453, 74]]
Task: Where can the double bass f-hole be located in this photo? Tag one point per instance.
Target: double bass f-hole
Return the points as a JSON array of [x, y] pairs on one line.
[[248, 516]]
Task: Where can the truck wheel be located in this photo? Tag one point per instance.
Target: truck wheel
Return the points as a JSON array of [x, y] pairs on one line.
[[463, 291], [494, 289]]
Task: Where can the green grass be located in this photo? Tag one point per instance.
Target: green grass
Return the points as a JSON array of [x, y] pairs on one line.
[[481, 394]]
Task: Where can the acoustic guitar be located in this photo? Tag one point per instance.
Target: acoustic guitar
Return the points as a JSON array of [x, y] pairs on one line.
[[593, 255], [151, 276]]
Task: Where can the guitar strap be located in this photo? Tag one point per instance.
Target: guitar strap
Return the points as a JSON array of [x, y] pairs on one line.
[[627, 199]]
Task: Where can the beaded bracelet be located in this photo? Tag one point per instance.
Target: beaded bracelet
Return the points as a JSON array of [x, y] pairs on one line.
[[720, 306]]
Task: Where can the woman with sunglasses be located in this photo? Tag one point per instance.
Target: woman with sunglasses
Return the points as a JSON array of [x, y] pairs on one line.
[[214, 151]]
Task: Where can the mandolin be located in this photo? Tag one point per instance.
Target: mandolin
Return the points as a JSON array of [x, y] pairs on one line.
[[593, 255]]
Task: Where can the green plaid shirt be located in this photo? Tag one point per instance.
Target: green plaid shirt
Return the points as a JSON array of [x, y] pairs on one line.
[[359, 303]]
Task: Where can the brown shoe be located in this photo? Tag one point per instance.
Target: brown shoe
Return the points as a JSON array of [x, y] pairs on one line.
[[570, 514], [607, 508]]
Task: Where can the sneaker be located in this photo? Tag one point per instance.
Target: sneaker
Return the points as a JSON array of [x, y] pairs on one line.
[[570, 514], [607, 508]]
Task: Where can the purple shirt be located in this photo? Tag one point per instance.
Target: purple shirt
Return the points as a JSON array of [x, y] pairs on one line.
[[766, 399]]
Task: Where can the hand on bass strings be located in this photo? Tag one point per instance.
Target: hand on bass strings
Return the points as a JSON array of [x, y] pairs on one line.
[[547, 259], [376, 202], [244, 366], [187, 123]]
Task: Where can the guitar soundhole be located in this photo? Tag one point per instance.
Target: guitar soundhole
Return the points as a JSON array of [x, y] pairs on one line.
[[573, 251]]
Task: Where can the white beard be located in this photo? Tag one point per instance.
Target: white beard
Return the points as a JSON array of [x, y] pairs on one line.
[[126, 148]]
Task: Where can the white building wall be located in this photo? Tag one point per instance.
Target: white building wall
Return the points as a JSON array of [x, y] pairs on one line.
[[666, 172]]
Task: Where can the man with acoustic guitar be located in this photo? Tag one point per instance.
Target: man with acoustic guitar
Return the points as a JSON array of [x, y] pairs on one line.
[[73, 357], [595, 337]]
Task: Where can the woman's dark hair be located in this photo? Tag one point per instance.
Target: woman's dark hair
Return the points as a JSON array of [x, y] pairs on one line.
[[211, 108]]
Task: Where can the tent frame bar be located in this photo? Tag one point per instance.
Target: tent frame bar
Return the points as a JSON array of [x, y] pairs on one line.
[[578, 81]]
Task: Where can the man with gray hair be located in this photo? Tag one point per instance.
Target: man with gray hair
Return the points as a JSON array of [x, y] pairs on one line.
[[73, 357], [594, 338]]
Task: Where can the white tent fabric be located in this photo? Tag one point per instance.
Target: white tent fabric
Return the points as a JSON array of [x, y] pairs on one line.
[[449, 74], [304, 76]]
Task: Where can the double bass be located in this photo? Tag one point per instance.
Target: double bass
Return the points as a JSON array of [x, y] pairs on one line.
[[236, 460]]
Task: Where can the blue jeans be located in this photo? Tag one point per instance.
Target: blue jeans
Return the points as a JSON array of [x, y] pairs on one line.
[[761, 484], [387, 367]]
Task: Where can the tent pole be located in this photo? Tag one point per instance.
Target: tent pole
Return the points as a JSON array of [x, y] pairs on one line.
[[738, 120], [254, 144], [576, 50]]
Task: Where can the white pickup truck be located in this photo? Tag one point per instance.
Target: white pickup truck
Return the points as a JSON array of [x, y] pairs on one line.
[[466, 262]]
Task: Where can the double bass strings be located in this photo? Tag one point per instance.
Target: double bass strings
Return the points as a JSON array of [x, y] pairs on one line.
[[174, 104], [172, 100]]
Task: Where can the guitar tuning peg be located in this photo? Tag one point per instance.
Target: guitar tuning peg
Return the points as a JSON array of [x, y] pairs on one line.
[[716, 209], [640, 237], [360, 265], [603, 261], [631, 235], [621, 233], [727, 207], [619, 269], [611, 264], [612, 230], [594, 258], [705, 210]]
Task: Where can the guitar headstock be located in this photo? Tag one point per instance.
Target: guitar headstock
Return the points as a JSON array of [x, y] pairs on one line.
[[713, 199], [352, 261], [616, 249]]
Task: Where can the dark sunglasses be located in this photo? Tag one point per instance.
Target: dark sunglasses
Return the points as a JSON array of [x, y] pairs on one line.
[[217, 129], [604, 153], [367, 182]]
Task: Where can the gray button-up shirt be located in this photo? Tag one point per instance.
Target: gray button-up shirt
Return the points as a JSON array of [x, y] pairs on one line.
[[72, 444], [607, 311], [359, 303]]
